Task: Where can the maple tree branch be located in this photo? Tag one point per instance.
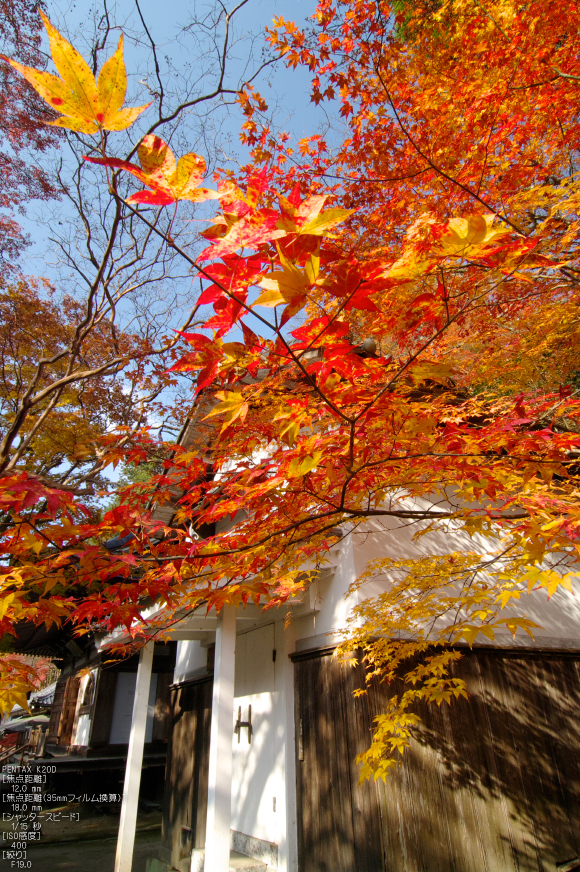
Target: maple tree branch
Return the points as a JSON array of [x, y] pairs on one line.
[[344, 514], [491, 127], [29, 401], [54, 391], [533, 84], [81, 331], [155, 58], [275, 329], [228, 17], [338, 311], [490, 16], [438, 169], [566, 75], [470, 304], [100, 44], [219, 89], [100, 304], [445, 295], [35, 428], [375, 180]]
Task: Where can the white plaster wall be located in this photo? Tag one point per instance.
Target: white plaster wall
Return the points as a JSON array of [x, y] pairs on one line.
[[263, 769], [254, 782], [123, 708], [190, 658], [558, 616], [329, 600], [81, 736], [253, 776], [263, 800]]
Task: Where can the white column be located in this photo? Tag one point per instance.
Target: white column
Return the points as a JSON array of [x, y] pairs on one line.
[[286, 831], [128, 822], [219, 796]]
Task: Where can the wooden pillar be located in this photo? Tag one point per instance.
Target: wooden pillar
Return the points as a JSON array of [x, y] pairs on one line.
[[128, 822], [219, 797]]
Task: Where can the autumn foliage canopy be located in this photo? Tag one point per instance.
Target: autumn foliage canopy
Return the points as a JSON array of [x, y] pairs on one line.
[[393, 338]]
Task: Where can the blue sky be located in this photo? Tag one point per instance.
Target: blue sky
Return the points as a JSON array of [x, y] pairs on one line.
[[184, 61], [217, 136]]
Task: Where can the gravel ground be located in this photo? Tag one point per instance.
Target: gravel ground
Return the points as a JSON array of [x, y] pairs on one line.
[[87, 855]]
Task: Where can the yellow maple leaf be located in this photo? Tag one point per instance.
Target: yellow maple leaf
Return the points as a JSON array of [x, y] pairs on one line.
[[170, 180], [467, 236], [289, 284], [272, 296], [320, 225], [86, 106], [5, 604], [233, 406], [302, 466]]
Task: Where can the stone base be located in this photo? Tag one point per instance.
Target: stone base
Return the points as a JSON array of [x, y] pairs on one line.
[[259, 849], [238, 862], [247, 854]]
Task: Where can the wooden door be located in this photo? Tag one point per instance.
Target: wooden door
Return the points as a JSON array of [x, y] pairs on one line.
[[489, 784], [338, 821], [186, 782], [68, 710], [56, 711]]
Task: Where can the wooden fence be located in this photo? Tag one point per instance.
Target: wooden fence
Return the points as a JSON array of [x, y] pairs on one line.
[[490, 785]]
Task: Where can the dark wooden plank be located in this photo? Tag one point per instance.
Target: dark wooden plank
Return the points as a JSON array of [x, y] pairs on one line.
[[426, 802], [302, 803], [162, 712], [339, 765], [324, 775], [416, 834], [489, 785], [307, 782], [201, 773], [319, 842], [508, 690], [179, 776], [546, 811], [185, 805], [501, 779], [397, 826], [56, 710], [457, 806], [557, 707], [68, 710], [469, 770], [366, 817], [166, 821], [566, 752]]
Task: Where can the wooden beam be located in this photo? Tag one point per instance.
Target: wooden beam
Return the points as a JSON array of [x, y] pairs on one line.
[[219, 800], [191, 635], [128, 822]]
